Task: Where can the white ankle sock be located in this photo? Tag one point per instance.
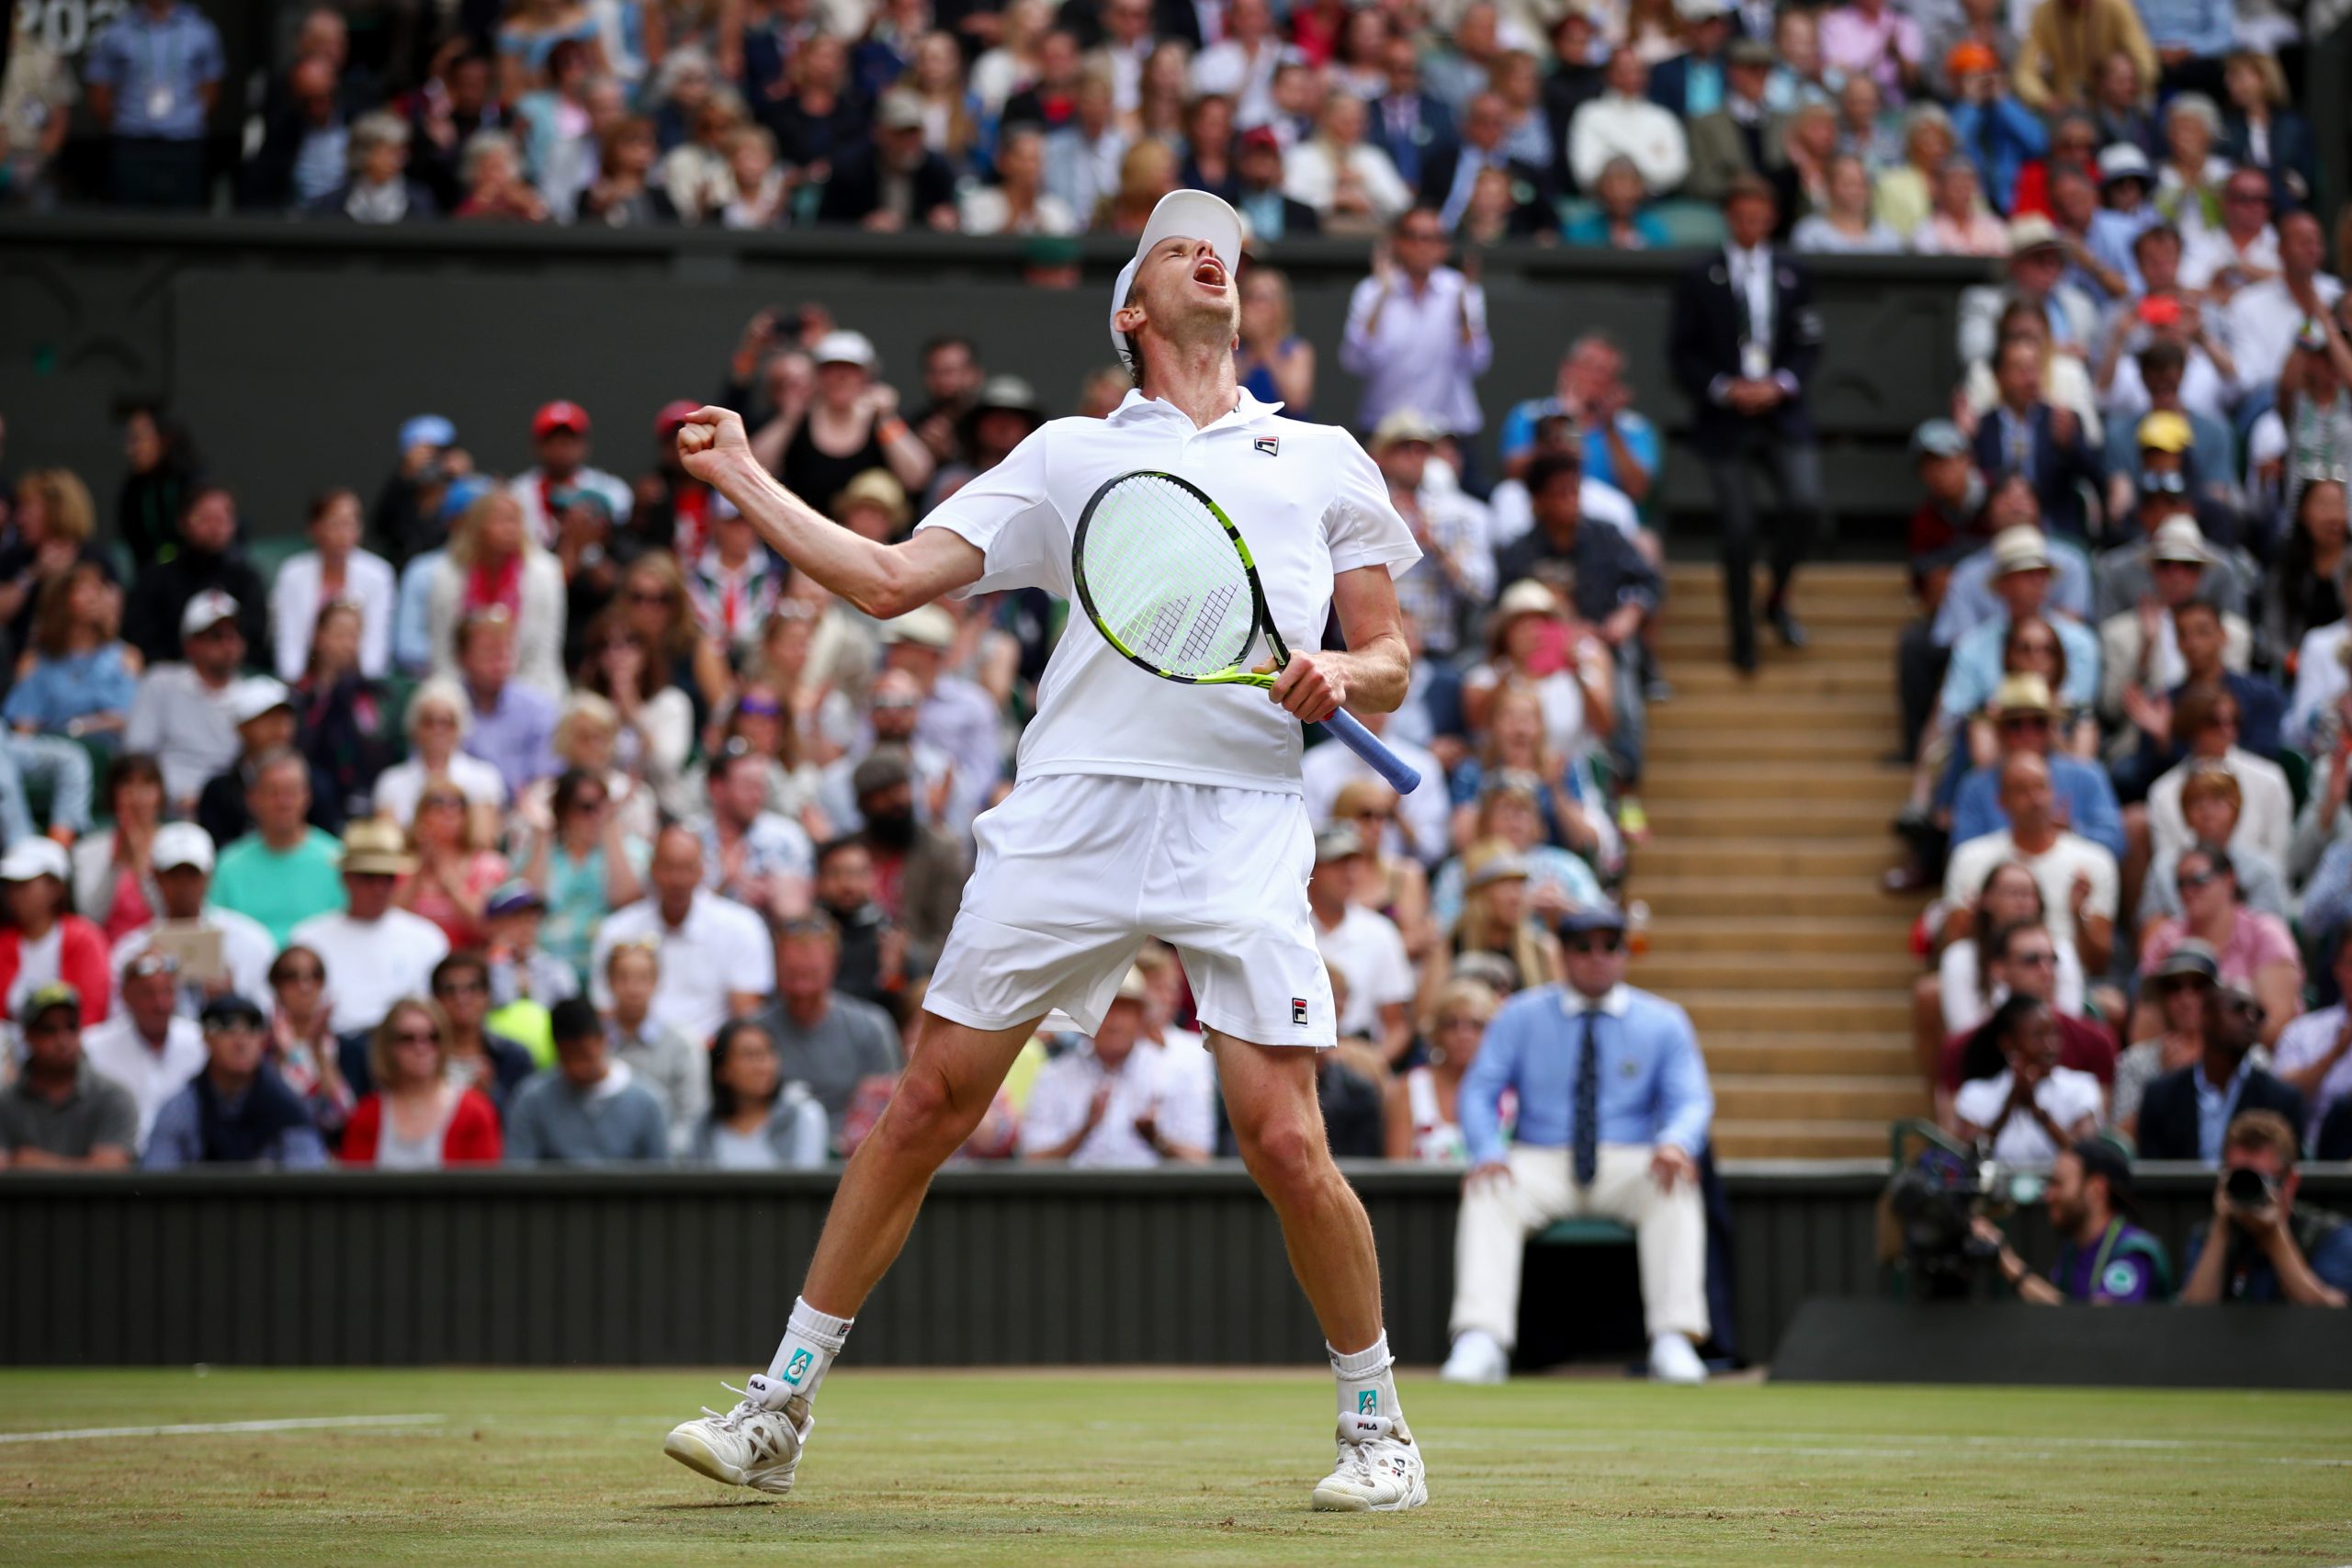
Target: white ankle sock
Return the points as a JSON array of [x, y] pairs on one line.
[[811, 1340], [1366, 1387]]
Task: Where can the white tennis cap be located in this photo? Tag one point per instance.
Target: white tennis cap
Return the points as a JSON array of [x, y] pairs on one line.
[[1182, 214]]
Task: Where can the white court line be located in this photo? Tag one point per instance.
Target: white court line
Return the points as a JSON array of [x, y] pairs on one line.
[[299, 1423]]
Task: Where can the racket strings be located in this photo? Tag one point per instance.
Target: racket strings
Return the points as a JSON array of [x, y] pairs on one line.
[[1166, 579]]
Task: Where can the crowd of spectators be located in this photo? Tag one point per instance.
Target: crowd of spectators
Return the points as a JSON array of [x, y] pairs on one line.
[[1921, 126]]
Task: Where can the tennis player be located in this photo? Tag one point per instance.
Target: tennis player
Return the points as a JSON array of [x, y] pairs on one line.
[[1143, 807]]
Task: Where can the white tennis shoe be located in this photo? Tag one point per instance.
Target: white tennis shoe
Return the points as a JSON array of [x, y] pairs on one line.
[[1379, 1469], [757, 1444], [1477, 1359], [1673, 1361]]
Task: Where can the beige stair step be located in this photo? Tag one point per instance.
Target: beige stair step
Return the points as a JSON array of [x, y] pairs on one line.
[[1727, 746], [1888, 612], [1807, 933], [1804, 675], [1753, 710], [1881, 786], [1773, 816], [1684, 638], [1714, 898], [1802, 1052], [1735, 1011], [1864, 860], [1745, 1097], [1801, 1140], [1668, 971]]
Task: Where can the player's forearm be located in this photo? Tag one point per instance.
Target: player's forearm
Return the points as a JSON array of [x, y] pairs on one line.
[[873, 577], [1377, 674]]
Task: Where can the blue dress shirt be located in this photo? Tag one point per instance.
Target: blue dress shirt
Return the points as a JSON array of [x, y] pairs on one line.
[[157, 69], [1653, 1082], [2088, 796]]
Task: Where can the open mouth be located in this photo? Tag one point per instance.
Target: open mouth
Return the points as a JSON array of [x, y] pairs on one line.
[[1210, 271]]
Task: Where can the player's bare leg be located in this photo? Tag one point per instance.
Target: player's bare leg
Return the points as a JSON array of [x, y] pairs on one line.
[[1277, 1123], [951, 1076]]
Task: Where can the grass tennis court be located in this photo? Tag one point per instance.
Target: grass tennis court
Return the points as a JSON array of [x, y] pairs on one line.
[[1035, 1469]]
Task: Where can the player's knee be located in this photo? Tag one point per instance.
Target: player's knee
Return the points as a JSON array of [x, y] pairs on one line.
[[925, 1114], [1286, 1152]]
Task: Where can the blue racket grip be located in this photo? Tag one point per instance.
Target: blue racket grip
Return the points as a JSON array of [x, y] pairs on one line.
[[1350, 733]]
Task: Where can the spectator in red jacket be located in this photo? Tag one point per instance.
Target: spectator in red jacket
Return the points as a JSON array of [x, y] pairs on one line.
[[416, 1119], [42, 943]]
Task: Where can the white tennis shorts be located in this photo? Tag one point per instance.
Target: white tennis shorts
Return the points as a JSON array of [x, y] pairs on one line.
[[1074, 870]]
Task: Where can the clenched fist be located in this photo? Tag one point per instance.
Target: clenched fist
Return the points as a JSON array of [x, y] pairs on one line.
[[711, 441]]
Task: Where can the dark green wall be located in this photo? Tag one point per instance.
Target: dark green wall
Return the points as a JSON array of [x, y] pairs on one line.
[[295, 349]]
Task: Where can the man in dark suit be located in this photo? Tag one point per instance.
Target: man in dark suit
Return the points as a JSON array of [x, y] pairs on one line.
[[1408, 124], [1743, 345], [894, 182], [2186, 1114], [1450, 174], [2022, 433], [1691, 83], [1258, 189]]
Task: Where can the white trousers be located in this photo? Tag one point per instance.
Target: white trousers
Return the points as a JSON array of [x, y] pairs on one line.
[[1669, 1234]]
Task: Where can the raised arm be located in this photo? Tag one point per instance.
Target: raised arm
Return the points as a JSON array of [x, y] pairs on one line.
[[883, 581]]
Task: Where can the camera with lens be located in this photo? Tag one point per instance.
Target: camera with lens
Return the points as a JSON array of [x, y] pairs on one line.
[[2249, 1191], [1934, 1201]]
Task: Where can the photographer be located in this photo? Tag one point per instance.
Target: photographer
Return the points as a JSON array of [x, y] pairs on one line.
[[2103, 1258], [2271, 1251]]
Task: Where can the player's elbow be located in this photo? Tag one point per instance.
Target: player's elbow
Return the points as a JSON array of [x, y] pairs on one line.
[[890, 593]]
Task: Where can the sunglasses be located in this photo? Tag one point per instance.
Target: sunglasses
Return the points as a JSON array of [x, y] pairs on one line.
[[2025, 721], [417, 1037], [1596, 942], [2189, 880], [1461, 1020], [648, 596], [460, 989], [1375, 817], [2034, 960], [455, 802], [302, 977], [589, 803], [759, 708]]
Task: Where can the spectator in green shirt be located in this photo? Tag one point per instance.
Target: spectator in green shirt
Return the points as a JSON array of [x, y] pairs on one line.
[[285, 871]]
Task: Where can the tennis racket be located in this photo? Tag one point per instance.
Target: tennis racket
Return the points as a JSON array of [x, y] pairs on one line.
[[1167, 579]]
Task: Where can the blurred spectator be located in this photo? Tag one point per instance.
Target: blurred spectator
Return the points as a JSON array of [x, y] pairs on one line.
[[376, 188], [2026, 571], [1458, 573], [2189, 183], [146, 1046], [1906, 188], [1449, 171], [492, 1062], [1847, 225], [587, 1110], [50, 535], [155, 495], [585, 861], [2027, 722], [1872, 37], [455, 102], [717, 961], [37, 99], [512, 722], [490, 169], [2006, 140], [2212, 803], [61, 1112], [1622, 448], [1530, 811], [2079, 878], [1958, 222], [1617, 220], [418, 1117], [1417, 331], [496, 571], [218, 949], [374, 953], [1408, 124], [334, 570], [2256, 952], [2304, 443], [2180, 996], [2305, 588], [305, 143], [696, 171], [2065, 41], [894, 182], [1018, 203], [2037, 266], [849, 425], [2024, 434], [2120, 103], [1351, 183], [152, 77], [653, 720], [184, 715], [560, 443], [439, 717], [1394, 884], [676, 1071], [45, 940], [2271, 1249], [1627, 121], [302, 1045], [2265, 319], [1614, 1114], [753, 855], [873, 963], [113, 874], [1739, 138], [78, 681], [918, 867], [525, 979], [455, 868], [623, 195], [1083, 154], [1424, 1116], [2184, 1114], [2021, 961], [1689, 81], [285, 871], [1014, 62], [2261, 129], [2313, 1055], [1867, 130], [1259, 189], [1743, 341], [954, 715], [1361, 946], [2140, 654], [824, 1038], [206, 561], [759, 718], [2033, 1108], [2242, 248], [237, 1110], [2103, 1258], [761, 187], [1111, 1101], [2205, 727], [755, 1120], [1971, 980], [1562, 665], [1495, 921]]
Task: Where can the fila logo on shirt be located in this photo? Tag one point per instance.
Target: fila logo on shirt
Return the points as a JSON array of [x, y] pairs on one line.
[[1271, 445], [1298, 1010]]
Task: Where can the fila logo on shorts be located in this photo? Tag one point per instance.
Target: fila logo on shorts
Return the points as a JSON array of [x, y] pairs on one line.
[[1298, 1010], [1271, 445]]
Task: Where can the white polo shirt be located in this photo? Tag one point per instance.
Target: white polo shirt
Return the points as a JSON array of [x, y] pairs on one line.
[[1365, 950], [117, 1050], [720, 947], [1307, 498], [1146, 1084], [370, 964]]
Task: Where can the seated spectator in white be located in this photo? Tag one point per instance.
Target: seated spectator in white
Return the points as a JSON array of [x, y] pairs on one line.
[[2026, 722], [494, 564], [2177, 1119], [439, 718], [1959, 223], [2205, 722], [181, 716], [61, 1112], [146, 1046], [2316, 715], [335, 569], [1848, 225], [2140, 650], [2266, 318], [2256, 952], [1456, 572], [375, 953], [2179, 995], [751, 854], [218, 949], [285, 871], [2079, 878], [237, 1110], [2033, 1108], [677, 1071], [717, 961], [763, 186], [418, 1117], [1360, 945], [2242, 249], [1424, 1103], [588, 1109], [1019, 202], [825, 1039], [2315, 1052], [2021, 961], [2211, 802], [1352, 185], [1622, 447], [1112, 1101], [756, 1120], [110, 866], [1623, 122], [2274, 1249], [1968, 990], [2173, 362], [2037, 271], [1613, 1113], [513, 726]]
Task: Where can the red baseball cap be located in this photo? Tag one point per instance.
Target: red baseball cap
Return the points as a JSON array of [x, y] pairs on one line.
[[561, 414], [674, 414]]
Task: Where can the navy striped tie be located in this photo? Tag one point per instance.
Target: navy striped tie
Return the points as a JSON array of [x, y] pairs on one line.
[[1588, 1105]]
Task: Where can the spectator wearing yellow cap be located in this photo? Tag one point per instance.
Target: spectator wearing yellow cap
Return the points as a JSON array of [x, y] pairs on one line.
[[2124, 576]]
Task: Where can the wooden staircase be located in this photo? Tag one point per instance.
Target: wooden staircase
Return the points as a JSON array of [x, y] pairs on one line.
[[1768, 805]]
